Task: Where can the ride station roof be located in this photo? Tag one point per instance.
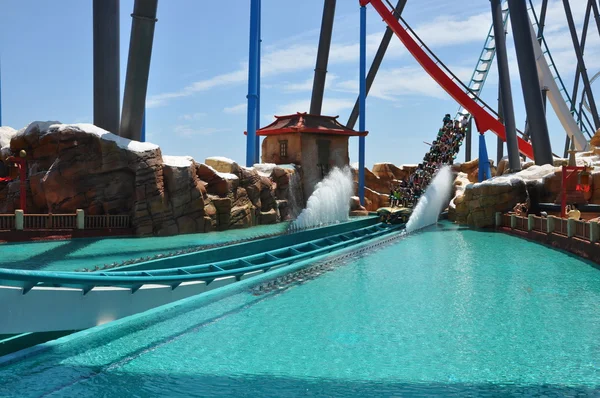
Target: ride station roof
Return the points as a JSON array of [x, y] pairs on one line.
[[307, 123]]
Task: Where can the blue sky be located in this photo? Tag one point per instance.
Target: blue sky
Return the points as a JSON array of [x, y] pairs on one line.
[[198, 78]]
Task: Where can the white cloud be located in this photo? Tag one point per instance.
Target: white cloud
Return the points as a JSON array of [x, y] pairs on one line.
[[193, 116], [236, 109], [331, 107], [452, 29], [307, 85], [188, 131]]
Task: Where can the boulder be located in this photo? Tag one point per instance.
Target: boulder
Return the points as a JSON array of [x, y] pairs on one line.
[[595, 141], [372, 181], [215, 183], [269, 217], [80, 166], [223, 165], [389, 172], [477, 203], [184, 190]]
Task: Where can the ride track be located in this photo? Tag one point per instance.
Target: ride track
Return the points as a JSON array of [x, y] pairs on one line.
[[484, 120], [79, 300]]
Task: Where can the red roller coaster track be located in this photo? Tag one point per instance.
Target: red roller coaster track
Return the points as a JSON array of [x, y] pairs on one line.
[[483, 119]]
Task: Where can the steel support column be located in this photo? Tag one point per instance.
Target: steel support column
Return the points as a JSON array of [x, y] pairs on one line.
[[143, 138], [540, 140], [514, 160], [485, 172], [316, 102], [596, 14], [252, 83], [574, 94], [499, 142], [542, 20], [363, 97], [1, 95], [468, 140], [581, 63], [259, 40], [107, 84], [138, 68], [385, 42]]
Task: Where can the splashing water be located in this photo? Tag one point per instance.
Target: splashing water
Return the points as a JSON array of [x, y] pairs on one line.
[[432, 203], [295, 195], [329, 203]]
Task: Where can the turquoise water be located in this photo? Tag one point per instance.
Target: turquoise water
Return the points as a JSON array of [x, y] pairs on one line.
[[76, 254], [443, 312]]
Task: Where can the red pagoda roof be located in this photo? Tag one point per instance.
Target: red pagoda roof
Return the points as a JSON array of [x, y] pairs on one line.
[[307, 123]]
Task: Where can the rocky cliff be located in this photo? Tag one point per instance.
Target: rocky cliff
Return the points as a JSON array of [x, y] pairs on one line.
[[81, 166]]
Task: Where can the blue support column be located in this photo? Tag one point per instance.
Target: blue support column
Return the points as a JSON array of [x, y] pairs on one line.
[[143, 139], [484, 161], [259, 38], [362, 103], [252, 83]]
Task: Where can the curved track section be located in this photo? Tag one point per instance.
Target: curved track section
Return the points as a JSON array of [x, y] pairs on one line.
[[483, 119], [38, 301]]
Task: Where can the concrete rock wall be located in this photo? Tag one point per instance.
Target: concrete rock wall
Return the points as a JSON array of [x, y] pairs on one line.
[[83, 167]]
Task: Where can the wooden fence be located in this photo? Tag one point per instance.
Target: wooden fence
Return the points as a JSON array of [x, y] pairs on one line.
[[7, 221], [107, 222], [78, 220]]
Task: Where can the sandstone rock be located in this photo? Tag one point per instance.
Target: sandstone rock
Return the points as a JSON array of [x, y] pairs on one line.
[[269, 217], [388, 171], [242, 217], [359, 213], [372, 181], [223, 165], [216, 183], [477, 204], [595, 141]]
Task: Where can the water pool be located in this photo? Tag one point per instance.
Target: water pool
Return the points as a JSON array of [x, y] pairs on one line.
[[76, 254], [446, 311]]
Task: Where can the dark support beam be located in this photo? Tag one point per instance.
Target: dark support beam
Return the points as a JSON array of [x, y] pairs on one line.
[[596, 14], [316, 102], [581, 63], [575, 92], [505, 96], [107, 84], [468, 140], [500, 143], [385, 42], [542, 20], [138, 68], [540, 140]]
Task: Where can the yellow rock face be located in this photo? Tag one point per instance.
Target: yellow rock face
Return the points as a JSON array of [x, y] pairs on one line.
[[595, 141]]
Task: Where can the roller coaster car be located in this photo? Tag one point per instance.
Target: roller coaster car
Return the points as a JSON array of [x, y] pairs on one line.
[[396, 215]]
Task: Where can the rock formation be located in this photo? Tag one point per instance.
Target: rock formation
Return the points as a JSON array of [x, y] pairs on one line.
[[81, 166]]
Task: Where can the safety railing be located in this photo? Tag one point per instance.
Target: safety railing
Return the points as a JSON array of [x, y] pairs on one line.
[[206, 272], [585, 230], [32, 222], [107, 222], [7, 222], [561, 226], [49, 221]]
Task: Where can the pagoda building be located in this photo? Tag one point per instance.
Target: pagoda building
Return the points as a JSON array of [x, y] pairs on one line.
[[317, 143]]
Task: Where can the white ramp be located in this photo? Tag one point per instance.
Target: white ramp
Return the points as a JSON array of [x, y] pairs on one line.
[[558, 103]]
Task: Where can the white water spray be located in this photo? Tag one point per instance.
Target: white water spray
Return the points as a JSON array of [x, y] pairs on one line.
[[432, 203], [329, 203], [295, 195]]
